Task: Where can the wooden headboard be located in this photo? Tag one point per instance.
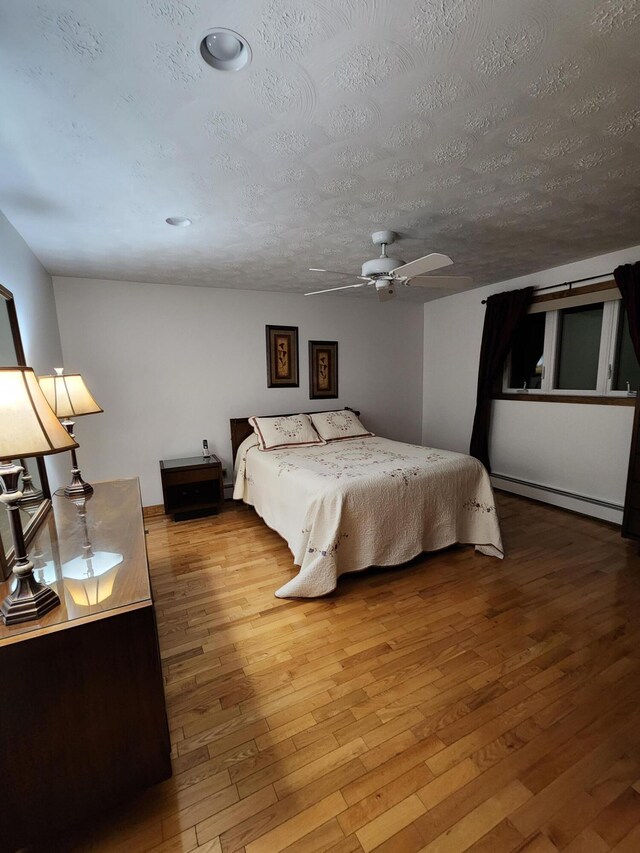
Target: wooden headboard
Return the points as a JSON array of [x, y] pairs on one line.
[[241, 429]]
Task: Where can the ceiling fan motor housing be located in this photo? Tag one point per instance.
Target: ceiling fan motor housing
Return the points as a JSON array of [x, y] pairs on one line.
[[380, 266]]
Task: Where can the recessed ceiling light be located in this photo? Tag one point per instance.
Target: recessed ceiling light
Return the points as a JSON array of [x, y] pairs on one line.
[[180, 221], [225, 50]]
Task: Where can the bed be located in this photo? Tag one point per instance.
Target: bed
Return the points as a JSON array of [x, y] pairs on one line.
[[347, 505]]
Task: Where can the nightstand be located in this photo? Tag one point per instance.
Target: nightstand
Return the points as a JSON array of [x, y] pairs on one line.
[[192, 487]]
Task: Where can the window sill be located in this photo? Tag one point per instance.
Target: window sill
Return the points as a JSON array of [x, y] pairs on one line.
[[595, 399]]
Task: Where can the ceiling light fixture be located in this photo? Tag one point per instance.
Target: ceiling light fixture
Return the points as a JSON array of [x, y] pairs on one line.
[[180, 221], [225, 50]]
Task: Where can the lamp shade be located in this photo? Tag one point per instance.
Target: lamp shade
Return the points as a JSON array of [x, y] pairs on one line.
[[28, 425], [68, 396]]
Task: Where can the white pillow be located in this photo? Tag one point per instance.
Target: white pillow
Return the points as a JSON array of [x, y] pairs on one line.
[[335, 426], [284, 431]]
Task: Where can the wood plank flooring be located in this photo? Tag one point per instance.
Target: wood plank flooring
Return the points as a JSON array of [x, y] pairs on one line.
[[455, 704]]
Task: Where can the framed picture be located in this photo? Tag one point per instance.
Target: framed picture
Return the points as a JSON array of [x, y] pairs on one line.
[[323, 369], [282, 357]]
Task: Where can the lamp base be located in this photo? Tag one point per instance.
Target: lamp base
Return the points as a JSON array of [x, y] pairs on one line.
[[77, 487], [31, 497], [30, 600], [31, 502]]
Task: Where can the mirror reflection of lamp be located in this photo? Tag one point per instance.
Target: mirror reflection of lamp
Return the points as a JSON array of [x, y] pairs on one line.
[[45, 557], [89, 578], [32, 497], [44, 570], [46, 561]]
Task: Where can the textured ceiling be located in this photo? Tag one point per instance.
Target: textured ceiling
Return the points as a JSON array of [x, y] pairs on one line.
[[505, 133]]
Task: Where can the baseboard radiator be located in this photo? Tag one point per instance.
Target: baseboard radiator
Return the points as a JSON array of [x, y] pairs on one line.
[[560, 497]]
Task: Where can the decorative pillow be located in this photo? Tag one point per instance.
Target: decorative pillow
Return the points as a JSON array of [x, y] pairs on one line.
[[284, 431], [335, 426]]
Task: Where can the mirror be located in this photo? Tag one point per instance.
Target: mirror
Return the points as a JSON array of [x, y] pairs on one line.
[[34, 483]]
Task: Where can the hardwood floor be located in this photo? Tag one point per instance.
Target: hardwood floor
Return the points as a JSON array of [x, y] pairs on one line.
[[458, 703]]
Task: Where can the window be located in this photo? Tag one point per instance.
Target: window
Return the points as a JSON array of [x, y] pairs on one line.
[[578, 345], [580, 332]]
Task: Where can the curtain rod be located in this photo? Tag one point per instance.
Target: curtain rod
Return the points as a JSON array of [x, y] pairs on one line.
[[568, 284]]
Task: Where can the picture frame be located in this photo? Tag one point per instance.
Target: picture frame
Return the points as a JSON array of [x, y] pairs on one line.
[[323, 370], [282, 357]]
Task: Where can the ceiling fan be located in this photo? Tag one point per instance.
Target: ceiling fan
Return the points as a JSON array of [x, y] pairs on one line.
[[386, 273]]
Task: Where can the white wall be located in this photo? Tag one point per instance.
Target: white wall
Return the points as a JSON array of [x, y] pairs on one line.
[[170, 365], [23, 274], [581, 449]]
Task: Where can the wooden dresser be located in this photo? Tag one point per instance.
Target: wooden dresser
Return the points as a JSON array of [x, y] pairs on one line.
[[82, 709]]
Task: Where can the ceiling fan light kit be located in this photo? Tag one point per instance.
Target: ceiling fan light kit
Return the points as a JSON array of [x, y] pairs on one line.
[[387, 273]]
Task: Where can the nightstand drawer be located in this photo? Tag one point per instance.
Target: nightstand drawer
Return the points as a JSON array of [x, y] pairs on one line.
[[198, 475]]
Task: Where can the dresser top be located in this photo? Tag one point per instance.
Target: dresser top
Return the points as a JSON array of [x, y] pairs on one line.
[[93, 554]]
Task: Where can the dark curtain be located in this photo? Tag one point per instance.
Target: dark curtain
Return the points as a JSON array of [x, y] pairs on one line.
[[526, 351], [504, 312], [628, 280]]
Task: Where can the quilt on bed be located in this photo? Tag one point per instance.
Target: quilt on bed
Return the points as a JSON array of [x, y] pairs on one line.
[[348, 505]]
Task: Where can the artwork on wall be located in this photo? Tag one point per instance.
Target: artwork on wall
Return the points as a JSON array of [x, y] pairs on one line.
[[323, 369], [282, 357]]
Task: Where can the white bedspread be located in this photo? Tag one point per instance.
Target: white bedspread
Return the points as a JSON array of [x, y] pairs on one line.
[[348, 505]]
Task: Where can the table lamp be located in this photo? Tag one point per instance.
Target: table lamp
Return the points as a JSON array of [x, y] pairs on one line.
[[28, 427], [69, 397]]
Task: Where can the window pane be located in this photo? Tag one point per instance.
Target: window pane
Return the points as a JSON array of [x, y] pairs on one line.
[[579, 347], [526, 355], [626, 367]]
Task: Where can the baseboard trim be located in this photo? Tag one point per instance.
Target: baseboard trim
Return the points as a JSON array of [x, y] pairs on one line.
[[151, 511], [583, 504]]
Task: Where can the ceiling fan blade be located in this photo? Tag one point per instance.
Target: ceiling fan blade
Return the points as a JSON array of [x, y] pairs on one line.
[[434, 261], [344, 287], [457, 282], [334, 272]]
